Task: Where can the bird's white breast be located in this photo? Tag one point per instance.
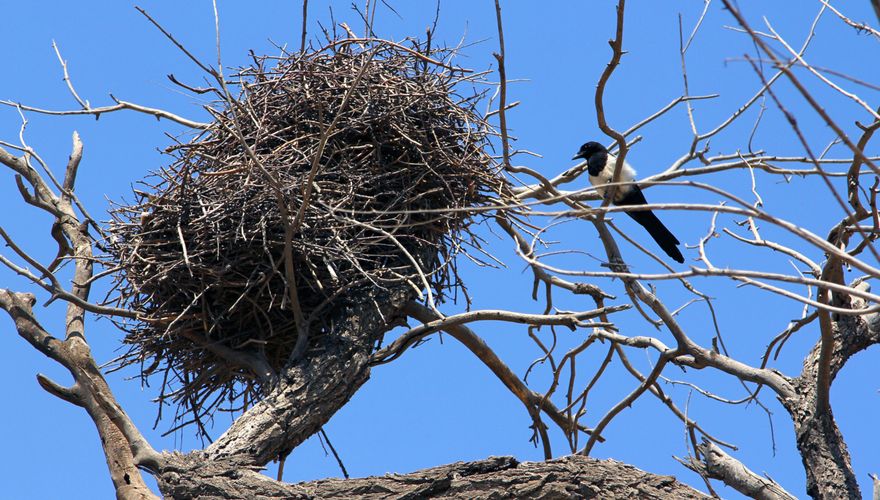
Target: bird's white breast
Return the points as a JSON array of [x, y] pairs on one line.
[[627, 174]]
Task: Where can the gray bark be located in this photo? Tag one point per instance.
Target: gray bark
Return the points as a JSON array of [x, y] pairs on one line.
[[574, 476], [819, 440], [716, 464]]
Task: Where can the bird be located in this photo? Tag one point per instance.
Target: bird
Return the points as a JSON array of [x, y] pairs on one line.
[[600, 166]]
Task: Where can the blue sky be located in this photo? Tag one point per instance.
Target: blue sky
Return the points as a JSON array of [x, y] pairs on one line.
[[438, 404]]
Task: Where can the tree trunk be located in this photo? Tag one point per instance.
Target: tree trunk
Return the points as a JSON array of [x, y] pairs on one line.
[[317, 385], [819, 440]]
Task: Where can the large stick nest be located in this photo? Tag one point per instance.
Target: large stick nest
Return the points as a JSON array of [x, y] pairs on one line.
[[361, 167]]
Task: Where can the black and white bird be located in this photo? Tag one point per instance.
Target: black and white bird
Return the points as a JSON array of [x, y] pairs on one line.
[[600, 165]]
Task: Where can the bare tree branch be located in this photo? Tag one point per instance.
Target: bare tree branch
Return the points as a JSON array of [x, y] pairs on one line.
[[717, 464], [409, 338], [120, 105]]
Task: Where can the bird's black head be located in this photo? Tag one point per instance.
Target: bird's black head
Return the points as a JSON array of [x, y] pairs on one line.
[[589, 149], [596, 156]]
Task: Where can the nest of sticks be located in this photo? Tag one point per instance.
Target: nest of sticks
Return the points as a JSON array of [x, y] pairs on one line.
[[333, 170]]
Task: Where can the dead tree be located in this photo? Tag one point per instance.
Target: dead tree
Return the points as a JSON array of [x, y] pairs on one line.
[[325, 204]]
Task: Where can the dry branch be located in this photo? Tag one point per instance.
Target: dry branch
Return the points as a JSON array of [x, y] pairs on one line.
[[716, 464]]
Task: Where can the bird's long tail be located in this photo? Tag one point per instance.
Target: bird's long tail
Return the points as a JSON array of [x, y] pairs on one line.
[[658, 231], [667, 241]]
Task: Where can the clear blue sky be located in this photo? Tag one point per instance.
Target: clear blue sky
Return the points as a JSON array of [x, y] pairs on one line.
[[437, 404]]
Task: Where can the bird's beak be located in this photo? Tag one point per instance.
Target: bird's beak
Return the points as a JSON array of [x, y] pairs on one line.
[[577, 157]]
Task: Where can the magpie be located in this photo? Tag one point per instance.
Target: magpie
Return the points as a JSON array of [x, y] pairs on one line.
[[600, 165]]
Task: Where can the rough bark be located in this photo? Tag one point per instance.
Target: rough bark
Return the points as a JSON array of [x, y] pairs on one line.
[[316, 385], [192, 475], [123, 445], [819, 440]]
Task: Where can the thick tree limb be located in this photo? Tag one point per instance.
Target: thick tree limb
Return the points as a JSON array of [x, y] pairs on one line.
[[823, 450], [495, 478], [316, 385], [124, 447], [716, 464]]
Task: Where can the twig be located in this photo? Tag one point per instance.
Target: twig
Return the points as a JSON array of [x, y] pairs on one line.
[[396, 45], [800, 59], [860, 27], [179, 45], [477, 346], [67, 80], [305, 16], [120, 105], [629, 399], [786, 70], [335, 454], [502, 75]]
